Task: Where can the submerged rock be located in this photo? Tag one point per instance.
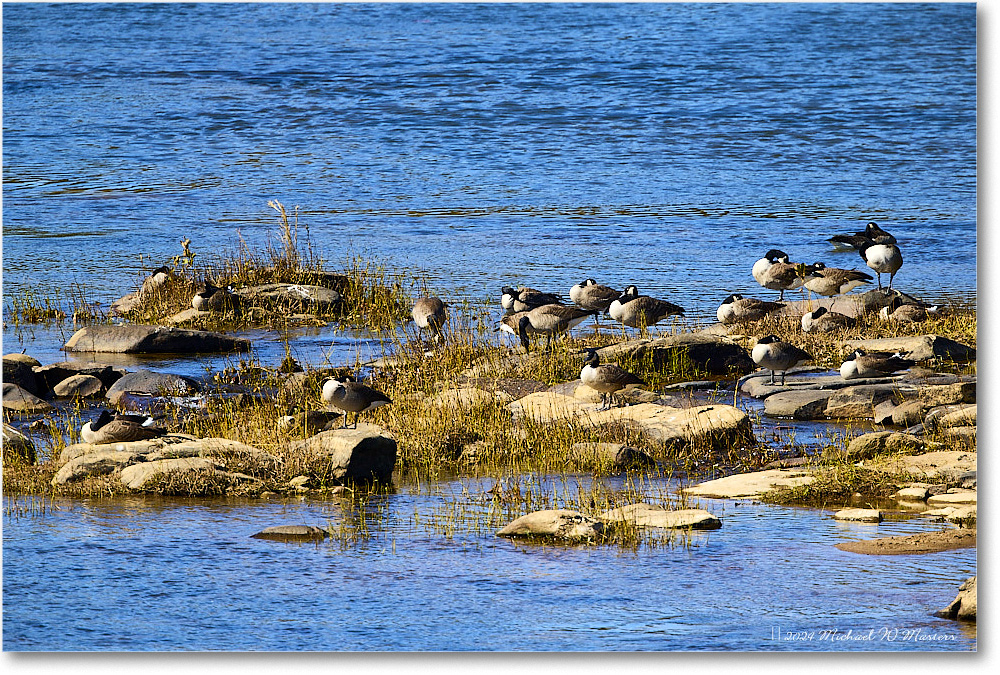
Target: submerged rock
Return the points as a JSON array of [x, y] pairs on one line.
[[963, 607], [859, 515], [751, 484], [292, 533], [650, 515], [555, 524], [138, 339]]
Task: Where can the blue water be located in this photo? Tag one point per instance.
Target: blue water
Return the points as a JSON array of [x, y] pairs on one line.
[[666, 145]]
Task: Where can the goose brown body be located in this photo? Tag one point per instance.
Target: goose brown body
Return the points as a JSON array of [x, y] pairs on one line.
[[831, 281], [118, 428], [353, 397], [606, 378], [775, 355], [640, 311], [735, 309]]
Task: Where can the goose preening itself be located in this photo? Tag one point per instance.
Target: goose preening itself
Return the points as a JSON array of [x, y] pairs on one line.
[[430, 314], [523, 299], [823, 320], [736, 309], [773, 354], [591, 295], [641, 311], [119, 428], [607, 378], [902, 312], [830, 281], [549, 320], [876, 364], [209, 298], [352, 397], [775, 273], [872, 231], [883, 258]]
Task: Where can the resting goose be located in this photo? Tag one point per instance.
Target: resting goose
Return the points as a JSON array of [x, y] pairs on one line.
[[352, 397], [591, 295], [830, 281], [119, 428], [209, 298], [823, 320], [902, 312], [773, 354], [523, 299], [876, 364], [736, 309], [640, 311], [607, 378]]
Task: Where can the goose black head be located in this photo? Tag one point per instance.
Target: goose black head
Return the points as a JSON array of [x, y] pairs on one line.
[[522, 331], [768, 340], [730, 299], [101, 420], [774, 255], [819, 312]]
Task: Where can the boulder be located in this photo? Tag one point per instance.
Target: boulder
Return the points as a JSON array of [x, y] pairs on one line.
[[964, 417], [555, 524], [963, 607], [859, 515], [963, 516], [961, 497], [960, 437], [882, 413], [54, 373], [22, 358], [806, 404], [18, 400], [650, 515], [138, 339], [292, 533], [933, 417], [17, 448], [878, 442], [17, 371], [917, 347], [139, 476], [363, 454], [912, 494], [948, 394], [942, 464], [97, 463], [751, 484], [615, 455], [152, 383], [759, 385], [296, 297], [701, 351], [858, 402], [78, 386], [709, 425], [910, 413]]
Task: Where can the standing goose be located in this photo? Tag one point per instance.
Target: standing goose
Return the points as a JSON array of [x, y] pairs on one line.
[[352, 397], [641, 311], [118, 428], [591, 295], [429, 313], [876, 364], [737, 309], [871, 231], [607, 379], [902, 312], [773, 354], [524, 299], [823, 320], [779, 275], [883, 258], [549, 320], [834, 281]]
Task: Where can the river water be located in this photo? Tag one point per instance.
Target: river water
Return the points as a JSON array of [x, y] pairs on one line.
[[666, 145]]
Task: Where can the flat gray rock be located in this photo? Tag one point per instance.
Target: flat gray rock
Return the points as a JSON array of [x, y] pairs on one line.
[[703, 351], [859, 401], [16, 399], [555, 524], [918, 347], [809, 404], [78, 386], [650, 515], [152, 383], [137, 339], [292, 296], [292, 533]]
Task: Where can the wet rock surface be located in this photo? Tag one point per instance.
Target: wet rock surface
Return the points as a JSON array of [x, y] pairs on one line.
[[138, 339]]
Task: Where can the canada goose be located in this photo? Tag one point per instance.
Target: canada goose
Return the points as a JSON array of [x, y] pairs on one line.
[[550, 320], [834, 281], [508, 324], [882, 258], [902, 312], [209, 298], [118, 428], [872, 231], [429, 313], [735, 309], [640, 311], [773, 354], [523, 299], [823, 320], [591, 295], [352, 397], [876, 364], [779, 275], [607, 378]]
